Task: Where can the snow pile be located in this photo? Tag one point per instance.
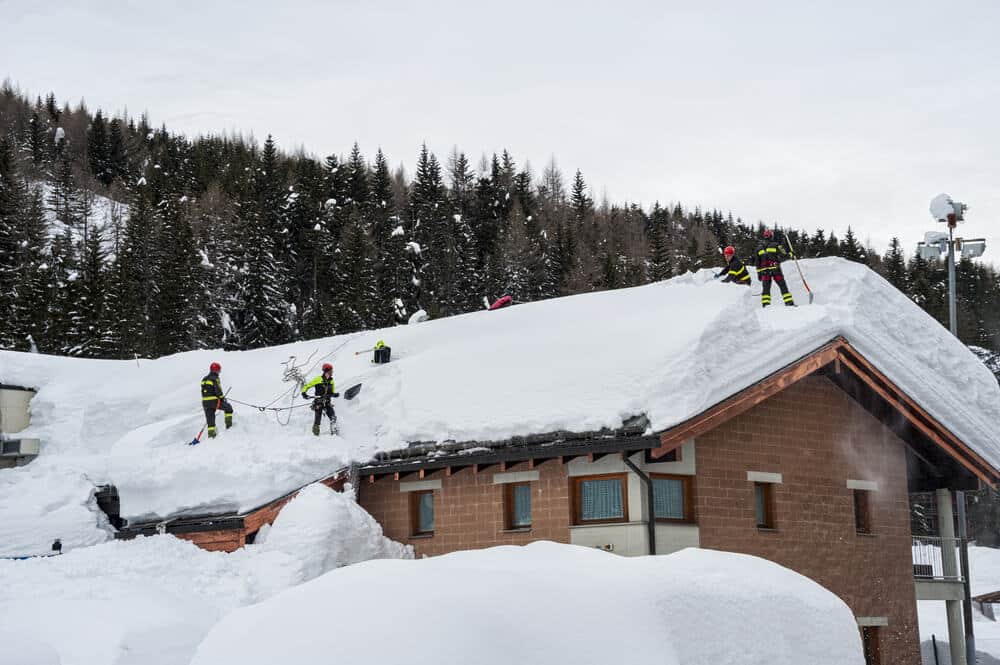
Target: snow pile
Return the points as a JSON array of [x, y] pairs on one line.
[[152, 600], [325, 529], [670, 350], [552, 604]]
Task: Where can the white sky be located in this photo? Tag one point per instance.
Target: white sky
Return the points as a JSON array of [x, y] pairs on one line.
[[823, 113]]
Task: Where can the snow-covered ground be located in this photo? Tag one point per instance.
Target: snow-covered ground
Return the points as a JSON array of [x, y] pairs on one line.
[[668, 350], [984, 574], [150, 601], [546, 603]]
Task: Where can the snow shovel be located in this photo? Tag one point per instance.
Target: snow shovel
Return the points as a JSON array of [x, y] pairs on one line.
[[794, 258], [352, 392]]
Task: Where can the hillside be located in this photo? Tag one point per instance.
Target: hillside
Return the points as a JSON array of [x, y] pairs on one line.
[[666, 350]]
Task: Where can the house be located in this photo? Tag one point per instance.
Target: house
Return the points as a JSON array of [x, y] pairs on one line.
[[803, 450]]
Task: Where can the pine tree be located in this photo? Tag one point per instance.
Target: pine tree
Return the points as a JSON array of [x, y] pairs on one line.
[[11, 207], [99, 150], [895, 266], [29, 308], [851, 249], [436, 258], [660, 261], [266, 317], [355, 297], [86, 336], [391, 269], [61, 296], [117, 151], [64, 195]]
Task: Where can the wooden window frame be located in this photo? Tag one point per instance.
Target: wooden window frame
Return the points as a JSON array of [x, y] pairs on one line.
[[770, 524], [689, 516], [508, 507], [862, 512], [415, 531], [578, 480]]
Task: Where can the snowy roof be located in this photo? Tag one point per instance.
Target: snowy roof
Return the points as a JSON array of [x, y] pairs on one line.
[[668, 350]]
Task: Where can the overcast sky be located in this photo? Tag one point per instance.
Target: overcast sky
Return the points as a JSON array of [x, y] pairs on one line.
[[805, 113]]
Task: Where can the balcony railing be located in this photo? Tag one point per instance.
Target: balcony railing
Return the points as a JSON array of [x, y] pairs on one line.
[[936, 558]]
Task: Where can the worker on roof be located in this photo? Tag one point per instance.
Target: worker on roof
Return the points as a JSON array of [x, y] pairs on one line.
[[770, 254], [735, 270], [324, 390], [213, 399]]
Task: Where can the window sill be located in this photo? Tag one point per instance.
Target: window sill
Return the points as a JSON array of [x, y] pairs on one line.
[[604, 524], [421, 536], [865, 535], [767, 529], [526, 529]]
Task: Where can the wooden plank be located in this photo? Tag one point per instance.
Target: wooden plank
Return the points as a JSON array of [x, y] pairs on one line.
[[746, 399], [918, 423]]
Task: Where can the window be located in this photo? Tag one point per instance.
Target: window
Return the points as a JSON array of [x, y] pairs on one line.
[[672, 498], [422, 513], [517, 501], [862, 511], [600, 499], [869, 640], [763, 498]]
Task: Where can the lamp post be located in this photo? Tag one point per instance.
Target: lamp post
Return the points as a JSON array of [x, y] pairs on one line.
[[935, 243]]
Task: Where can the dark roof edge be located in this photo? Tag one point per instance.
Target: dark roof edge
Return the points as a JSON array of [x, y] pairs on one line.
[[520, 453]]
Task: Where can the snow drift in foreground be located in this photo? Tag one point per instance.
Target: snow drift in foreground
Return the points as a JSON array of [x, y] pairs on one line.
[[547, 603], [150, 601], [669, 350]]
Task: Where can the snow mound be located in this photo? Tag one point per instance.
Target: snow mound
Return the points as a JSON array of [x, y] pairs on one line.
[[95, 604], [325, 529], [669, 350], [552, 604]]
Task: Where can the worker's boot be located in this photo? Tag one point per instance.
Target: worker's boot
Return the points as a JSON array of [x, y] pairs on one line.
[[316, 430]]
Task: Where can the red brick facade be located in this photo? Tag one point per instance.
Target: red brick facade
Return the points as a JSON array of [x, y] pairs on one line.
[[816, 437], [469, 510], [812, 434]]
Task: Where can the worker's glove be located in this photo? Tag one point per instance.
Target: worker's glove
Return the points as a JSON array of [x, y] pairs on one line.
[[336, 394], [305, 396]]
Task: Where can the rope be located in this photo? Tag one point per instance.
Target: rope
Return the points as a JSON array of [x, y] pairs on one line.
[[293, 373]]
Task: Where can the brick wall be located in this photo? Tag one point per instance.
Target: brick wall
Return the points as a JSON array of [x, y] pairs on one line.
[[469, 510], [817, 438]]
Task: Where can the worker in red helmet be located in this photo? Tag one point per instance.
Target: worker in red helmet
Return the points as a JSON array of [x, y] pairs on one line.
[[213, 399], [324, 390], [770, 253], [735, 270]]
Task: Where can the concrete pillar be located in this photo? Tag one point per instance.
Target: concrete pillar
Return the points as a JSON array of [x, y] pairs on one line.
[[949, 564]]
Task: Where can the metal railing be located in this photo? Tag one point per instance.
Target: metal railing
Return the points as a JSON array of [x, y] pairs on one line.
[[936, 558]]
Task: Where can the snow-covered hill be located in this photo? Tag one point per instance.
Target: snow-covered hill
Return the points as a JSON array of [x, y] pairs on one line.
[[668, 350]]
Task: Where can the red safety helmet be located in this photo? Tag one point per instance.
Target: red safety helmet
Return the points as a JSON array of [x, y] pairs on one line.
[[327, 367], [768, 233], [729, 251], [214, 367]]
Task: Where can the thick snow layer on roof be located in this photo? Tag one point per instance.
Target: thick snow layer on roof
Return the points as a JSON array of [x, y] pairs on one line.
[[551, 604], [152, 600], [668, 350]]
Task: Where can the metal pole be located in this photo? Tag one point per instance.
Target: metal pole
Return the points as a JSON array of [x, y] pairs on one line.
[[952, 315], [963, 534], [651, 523]]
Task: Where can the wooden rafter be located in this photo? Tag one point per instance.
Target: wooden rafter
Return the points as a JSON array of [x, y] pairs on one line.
[[747, 399]]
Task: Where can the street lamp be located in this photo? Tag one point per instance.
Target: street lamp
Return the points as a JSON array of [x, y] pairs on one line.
[[936, 243]]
